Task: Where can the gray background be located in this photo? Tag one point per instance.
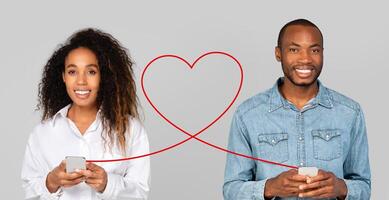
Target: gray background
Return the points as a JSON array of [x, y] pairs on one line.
[[356, 41]]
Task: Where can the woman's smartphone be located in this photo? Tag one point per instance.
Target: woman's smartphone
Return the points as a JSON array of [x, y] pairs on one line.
[[74, 162]]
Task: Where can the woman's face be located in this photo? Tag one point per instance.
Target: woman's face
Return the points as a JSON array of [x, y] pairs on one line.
[[82, 77]]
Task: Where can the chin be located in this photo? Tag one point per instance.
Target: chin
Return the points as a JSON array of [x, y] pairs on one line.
[[84, 103], [303, 83]]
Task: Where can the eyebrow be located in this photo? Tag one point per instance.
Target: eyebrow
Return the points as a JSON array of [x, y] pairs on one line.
[[90, 65], [314, 45]]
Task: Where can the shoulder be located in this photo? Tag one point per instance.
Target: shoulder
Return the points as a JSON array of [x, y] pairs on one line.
[[256, 101], [43, 127], [53, 123], [344, 101], [41, 132]]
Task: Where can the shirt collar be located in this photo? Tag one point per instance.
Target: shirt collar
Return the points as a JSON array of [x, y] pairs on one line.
[[61, 113], [277, 100], [64, 112]]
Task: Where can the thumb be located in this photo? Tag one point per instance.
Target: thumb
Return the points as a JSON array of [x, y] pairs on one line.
[[62, 165]]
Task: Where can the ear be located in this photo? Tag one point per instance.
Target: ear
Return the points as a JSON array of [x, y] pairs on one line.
[[277, 52]]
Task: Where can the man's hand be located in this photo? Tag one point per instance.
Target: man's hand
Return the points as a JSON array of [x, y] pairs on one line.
[[59, 178], [95, 176], [285, 184], [324, 185]]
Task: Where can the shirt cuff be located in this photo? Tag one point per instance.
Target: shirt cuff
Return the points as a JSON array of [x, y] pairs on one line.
[[46, 194], [351, 190], [259, 190], [112, 181]]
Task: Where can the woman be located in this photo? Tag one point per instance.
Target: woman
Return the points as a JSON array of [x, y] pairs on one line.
[[89, 105]]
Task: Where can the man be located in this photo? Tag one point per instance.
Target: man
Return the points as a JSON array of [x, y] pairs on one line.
[[298, 122]]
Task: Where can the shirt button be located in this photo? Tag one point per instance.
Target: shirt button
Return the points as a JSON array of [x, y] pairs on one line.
[[301, 164], [300, 138], [328, 137], [273, 141]]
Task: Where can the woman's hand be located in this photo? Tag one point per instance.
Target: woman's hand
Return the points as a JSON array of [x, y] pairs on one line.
[[59, 178], [95, 176]]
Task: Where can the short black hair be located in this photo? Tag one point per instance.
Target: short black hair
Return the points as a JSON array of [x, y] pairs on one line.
[[302, 22]]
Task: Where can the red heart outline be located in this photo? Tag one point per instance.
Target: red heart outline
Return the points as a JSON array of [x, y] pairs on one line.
[[194, 136], [191, 66]]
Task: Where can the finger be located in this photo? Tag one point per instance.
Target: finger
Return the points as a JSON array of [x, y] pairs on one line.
[[69, 183], [96, 176], [92, 166], [293, 175], [322, 175], [291, 191], [97, 184], [86, 173], [314, 193], [293, 184], [314, 185], [291, 172], [96, 181], [97, 170], [62, 165], [71, 176], [298, 178]]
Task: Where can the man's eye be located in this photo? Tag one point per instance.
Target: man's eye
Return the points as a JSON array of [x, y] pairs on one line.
[[293, 50], [316, 50]]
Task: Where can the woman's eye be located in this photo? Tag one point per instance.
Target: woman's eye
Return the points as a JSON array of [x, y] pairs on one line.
[[71, 72], [92, 72]]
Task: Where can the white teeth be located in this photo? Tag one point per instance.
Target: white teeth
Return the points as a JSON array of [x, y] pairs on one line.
[[82, 92], [303, 71]]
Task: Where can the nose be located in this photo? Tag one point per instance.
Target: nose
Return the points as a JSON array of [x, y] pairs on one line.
[[81, 79], [305, 57]]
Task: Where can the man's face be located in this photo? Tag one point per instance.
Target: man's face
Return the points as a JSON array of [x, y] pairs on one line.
[[301, 54]]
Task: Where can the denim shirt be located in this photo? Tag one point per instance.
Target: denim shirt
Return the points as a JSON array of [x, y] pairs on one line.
[[328, 133]]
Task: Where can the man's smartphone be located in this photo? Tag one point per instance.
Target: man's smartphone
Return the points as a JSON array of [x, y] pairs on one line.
[[308, 171], [74, 162]]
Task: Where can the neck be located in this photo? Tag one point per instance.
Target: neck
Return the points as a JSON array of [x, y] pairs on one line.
[[82, 114], [298, 95]]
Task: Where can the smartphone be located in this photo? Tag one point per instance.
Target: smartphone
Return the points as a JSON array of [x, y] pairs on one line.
[[74, 162], [308, 171]]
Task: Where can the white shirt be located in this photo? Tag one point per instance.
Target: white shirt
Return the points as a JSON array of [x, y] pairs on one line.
[[53, 140]]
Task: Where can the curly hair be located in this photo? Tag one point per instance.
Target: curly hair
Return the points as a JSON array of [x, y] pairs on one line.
[[116, 97]]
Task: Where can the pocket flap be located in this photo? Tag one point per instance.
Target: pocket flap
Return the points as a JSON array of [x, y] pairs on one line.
[[325, 134], [273, 138]]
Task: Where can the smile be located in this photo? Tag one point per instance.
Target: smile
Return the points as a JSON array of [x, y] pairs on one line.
[[82, 92], [304, 71]]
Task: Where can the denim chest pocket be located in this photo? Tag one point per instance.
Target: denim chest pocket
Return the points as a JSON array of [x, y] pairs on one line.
[[273, 147], [327, 144]]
